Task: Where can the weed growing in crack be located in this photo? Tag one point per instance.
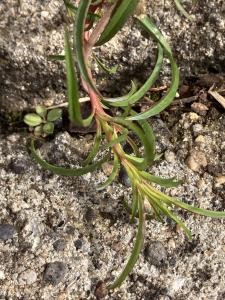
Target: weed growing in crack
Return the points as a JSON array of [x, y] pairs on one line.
[[96, 22]]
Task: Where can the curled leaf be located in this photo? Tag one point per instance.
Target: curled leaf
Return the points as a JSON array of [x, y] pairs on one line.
[[65, 171]]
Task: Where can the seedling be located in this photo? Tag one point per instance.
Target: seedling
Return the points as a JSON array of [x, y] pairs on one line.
[[96, 22], [43, 121]]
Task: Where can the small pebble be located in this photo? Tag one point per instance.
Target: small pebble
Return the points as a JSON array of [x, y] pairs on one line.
[[101, 290], [2, 275], [107, 168], [200, 139], [27, 277], [155, 253], [55, 272], [196, 160], [13, 138], [123, 178], [169, 156], [171, 244], [199, 108], [6, 231], [18, 166], [44, 14], [48, 102], [220, 180], [78, 244], [193, 117], [59, 245], [89, 215], [197, 129]]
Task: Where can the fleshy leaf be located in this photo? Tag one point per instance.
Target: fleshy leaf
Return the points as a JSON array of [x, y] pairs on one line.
[[48, 128], [115, 171], [56, 57], [136, 249], [167, 182], [122, 12], [134, 97], [182, 10], [111, 71], [65, 171], [146, 140], [54, 114], [32, 119], [79, 43], [72, 88], [168, 98], [41, 110]]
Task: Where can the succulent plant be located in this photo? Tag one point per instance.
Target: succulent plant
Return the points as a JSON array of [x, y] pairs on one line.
[[95, 23]]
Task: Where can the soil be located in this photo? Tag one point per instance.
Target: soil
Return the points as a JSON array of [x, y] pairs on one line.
[[60, 238]]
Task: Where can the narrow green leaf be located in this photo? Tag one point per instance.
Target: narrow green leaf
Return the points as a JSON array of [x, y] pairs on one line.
[[149, 26], [32, 119], [134, 97], [116, 140], [73, 8], [79, 43], [136, 250], [121, 14], [72, 87], [199, 211], [155, 209], [123, 98], [182, 10], [65, 171], [167, 182], [110, 71], [113, 175], [168, 213], [54, 114], [168, 98], [134, 159], [134, 203], [172, 201], [95, 147], [56, 57], [145, 139], [150, 137], [134, 147]]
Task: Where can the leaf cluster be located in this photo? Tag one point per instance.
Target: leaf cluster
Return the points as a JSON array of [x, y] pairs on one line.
[[43, 120]]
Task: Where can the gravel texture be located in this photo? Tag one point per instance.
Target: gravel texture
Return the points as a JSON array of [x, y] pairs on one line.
[[31, 30], [67, 238], [62, 239]]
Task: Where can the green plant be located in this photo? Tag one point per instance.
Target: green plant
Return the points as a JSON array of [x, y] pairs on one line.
[[42, 120], [96, 22]]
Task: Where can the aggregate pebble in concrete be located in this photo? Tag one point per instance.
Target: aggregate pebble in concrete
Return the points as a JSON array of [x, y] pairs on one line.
[[55, 272], [45, 208], [6, 231], [31, 30]]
